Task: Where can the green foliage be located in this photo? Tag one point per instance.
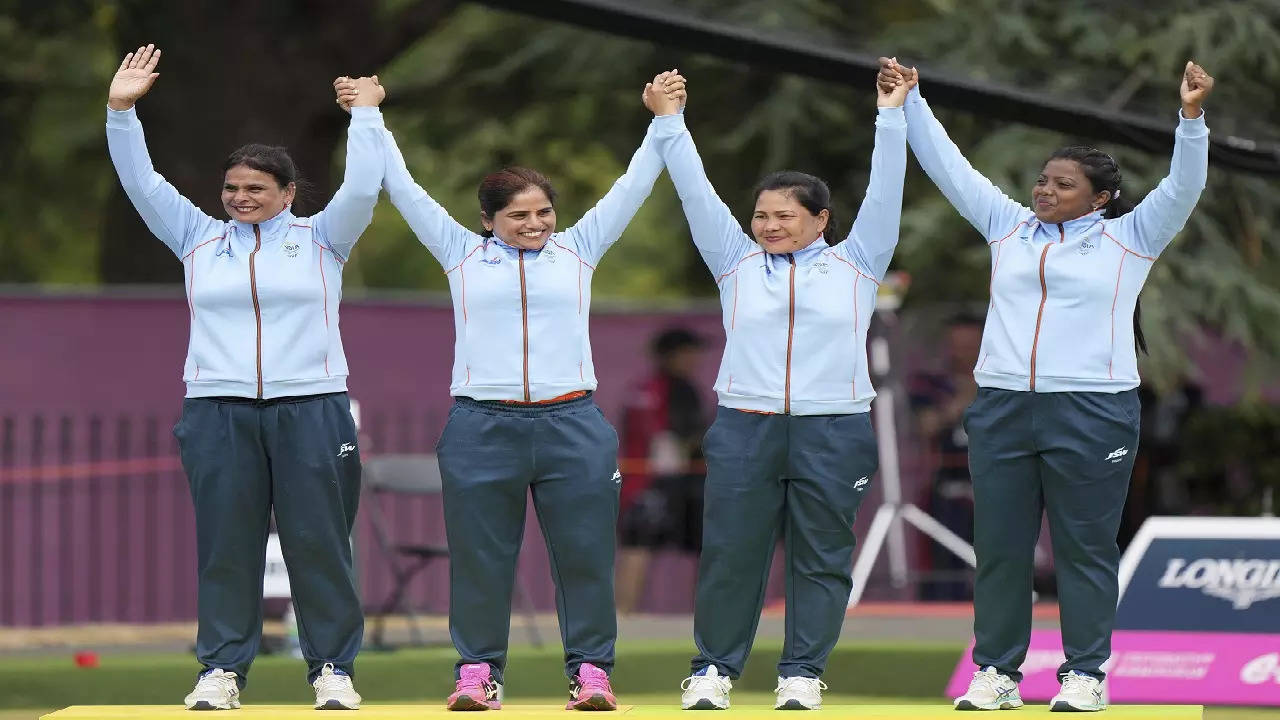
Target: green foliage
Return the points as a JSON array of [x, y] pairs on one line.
[[546, 102], [1232, 467], [1223, 270], [55, 65], [487, 88]]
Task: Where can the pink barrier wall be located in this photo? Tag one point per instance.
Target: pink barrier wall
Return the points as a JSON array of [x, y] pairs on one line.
[[95, 516]]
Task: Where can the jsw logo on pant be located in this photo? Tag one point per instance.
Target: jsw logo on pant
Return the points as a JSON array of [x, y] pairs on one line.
[[1243, 582]]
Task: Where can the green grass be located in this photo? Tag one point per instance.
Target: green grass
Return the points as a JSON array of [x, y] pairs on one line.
[[644, 667], [762, 699], [648, 673]]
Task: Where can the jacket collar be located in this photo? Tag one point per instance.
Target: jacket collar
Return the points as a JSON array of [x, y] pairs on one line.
[[494, 239], [1071, 228], [268, 229], [803, 256]]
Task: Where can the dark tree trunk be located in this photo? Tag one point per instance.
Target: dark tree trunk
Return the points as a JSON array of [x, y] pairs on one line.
[[241, 71]]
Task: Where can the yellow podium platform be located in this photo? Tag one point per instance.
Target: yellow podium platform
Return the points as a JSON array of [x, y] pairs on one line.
[[540, 712]]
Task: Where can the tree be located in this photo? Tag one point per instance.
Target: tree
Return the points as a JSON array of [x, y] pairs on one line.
[[51, 60], [240, 71], [1222, 270], [472, 89]]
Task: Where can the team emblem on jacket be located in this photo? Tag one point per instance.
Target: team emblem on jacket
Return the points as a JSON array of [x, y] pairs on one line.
[[1087, 247], [549, 254], [291, 248], [491, 261], [822, 267]]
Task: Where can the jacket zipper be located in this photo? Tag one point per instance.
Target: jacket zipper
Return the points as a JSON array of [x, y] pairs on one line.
[[524, 318], [1044, 295], [791, 331], [257, 308]]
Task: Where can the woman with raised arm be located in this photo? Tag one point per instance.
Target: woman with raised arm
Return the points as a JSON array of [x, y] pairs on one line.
[[1054, 427], [266, 425], [523, 419], [791, 452]]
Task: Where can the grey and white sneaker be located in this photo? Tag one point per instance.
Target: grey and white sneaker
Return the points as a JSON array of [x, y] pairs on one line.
[[990, 690], [334, 690], [799, 693], [215, 690], [1079, 693], [706, 689]]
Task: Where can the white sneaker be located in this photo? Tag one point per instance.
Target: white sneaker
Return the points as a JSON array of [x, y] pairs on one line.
[[799, 693], [1080, 693], [215, 690], [706, 690], [990, 690], [334, 690]]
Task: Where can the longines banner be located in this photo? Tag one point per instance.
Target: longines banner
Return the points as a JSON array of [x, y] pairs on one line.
[[1198, 619]]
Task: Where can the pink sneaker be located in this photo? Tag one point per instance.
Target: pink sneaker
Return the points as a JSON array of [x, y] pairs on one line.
[[590, 690], [475, 689]]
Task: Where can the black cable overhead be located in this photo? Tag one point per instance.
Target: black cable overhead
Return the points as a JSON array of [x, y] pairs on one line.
[[670, 27]]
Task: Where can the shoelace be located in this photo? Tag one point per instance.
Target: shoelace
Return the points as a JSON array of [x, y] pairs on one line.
[[489, 687], [1078, 683], [983, 680], [718, 683], [593, 683], [804, 682], [334, 682], [222, 682]]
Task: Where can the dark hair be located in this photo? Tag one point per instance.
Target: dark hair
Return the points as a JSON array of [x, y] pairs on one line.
[[1103, 173], [964, 318], [672, 339], [811, 192], [497, 189], [271, 159]]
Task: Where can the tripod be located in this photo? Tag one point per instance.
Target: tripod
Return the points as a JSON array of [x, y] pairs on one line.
[[886, 526]]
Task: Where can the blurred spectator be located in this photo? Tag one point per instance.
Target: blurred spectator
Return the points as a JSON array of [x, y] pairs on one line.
[[939, 401], [662, 467], [1160, 484]]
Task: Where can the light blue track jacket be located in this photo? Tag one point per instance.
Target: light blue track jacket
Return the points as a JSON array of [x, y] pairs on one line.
[[263, 298], [520, 316], [795, 324], [1062, 296]]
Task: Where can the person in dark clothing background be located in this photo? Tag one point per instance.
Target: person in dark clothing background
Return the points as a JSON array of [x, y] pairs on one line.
[[662, 468], [939, 400]]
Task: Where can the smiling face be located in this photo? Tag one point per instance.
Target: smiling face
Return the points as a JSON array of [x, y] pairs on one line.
[[1062, 192], [254, 196], [526, 222], [782, 225]]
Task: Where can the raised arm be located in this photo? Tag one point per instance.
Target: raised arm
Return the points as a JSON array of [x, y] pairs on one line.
[[350, 211], [716, 233], [603, 224], [445, 237], [170, 216], [974, 196], [1152, 225], [874, 234]]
